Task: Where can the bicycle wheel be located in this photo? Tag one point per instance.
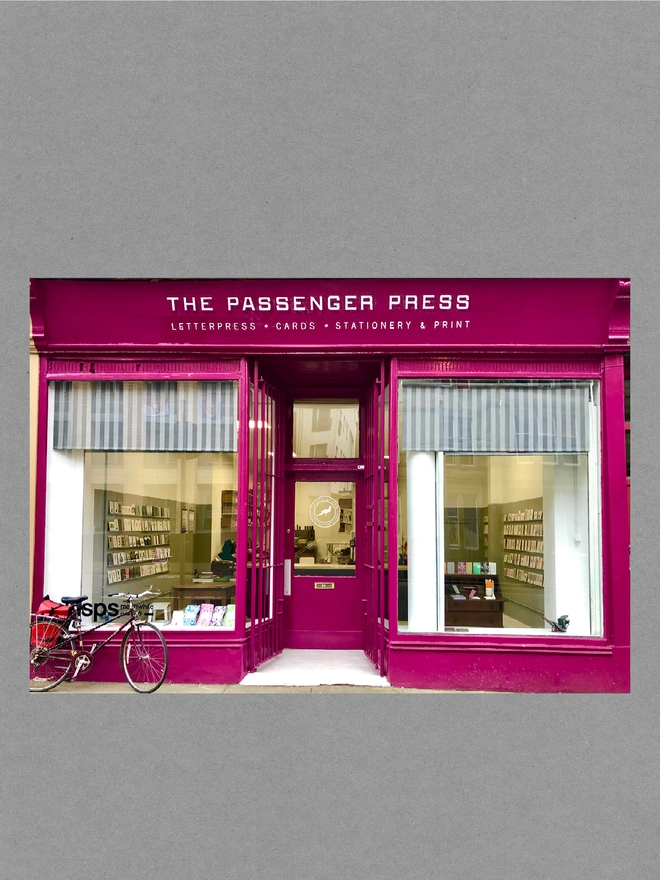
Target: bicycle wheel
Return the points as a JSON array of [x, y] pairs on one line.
[[51, 658], [144, 657]]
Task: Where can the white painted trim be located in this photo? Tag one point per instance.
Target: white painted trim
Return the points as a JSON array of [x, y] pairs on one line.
[[64, 517], [422, 542], [440, 536], [594, 501]]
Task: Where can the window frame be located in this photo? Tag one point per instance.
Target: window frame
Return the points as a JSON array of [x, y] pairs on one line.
[[56, 371], [460, 370]]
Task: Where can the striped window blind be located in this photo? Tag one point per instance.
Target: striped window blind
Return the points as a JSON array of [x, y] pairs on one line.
[[152, 416], [473, 417]]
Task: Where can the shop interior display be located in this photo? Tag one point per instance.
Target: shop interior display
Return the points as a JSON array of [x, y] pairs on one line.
[[138, 539], [522, 531], [170, 544], [473, 600], [206, 614]]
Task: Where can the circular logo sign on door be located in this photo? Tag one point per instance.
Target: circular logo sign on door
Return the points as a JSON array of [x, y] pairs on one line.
[[324, 512]]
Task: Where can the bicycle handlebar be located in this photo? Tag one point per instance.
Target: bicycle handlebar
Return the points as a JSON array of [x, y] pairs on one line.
[[135, 595]]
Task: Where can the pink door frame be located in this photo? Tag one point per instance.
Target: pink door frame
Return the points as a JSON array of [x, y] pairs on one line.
[[319, 618]]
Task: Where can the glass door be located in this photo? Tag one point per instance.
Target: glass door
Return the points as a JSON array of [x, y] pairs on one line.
[[375, 526], [265, 565], [324, 587]]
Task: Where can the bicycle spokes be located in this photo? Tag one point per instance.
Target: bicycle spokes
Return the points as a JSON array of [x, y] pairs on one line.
[[144, 657], [51, 657]]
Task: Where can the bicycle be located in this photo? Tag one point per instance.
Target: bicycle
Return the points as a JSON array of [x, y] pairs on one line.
[[57, 652]]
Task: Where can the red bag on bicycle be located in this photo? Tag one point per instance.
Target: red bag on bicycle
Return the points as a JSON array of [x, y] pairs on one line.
[[54, 609], [44, 632]]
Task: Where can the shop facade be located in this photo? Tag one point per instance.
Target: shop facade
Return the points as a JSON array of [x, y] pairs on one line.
[[429, 471]]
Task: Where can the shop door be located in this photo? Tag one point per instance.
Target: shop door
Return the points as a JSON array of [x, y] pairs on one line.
[[265, 544], [324, 587], [375, 524]]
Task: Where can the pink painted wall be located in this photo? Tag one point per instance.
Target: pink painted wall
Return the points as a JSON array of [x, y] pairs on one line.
[[560, 328], [366, 314]]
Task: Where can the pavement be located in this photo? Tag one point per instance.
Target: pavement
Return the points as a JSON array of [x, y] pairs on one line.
[[109, 687]]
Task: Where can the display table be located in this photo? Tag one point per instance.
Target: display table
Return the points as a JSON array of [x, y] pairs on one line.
[[473, 612], [200, 594]]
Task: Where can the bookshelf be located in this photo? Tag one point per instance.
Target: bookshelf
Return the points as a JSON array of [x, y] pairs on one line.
[[137, 541], [522, 546], [228, 510]]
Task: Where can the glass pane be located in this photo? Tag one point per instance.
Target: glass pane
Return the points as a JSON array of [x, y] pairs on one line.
[[626, 375], [326, 429], [520, 552], [165, 520], [325, 528]]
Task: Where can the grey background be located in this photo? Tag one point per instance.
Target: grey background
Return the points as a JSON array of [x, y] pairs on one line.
[[393, 139]]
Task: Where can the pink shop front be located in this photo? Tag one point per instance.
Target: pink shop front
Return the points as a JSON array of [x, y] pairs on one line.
[[432, 472]]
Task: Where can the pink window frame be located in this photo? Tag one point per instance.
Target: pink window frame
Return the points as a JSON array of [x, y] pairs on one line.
[[615, 602]]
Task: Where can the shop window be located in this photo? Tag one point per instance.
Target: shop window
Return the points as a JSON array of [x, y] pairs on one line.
[[512, 542], [142, 493], [326, 429]]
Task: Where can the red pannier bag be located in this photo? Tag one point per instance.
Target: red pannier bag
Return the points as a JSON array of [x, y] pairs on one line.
[[47, 626], [45, 632], [53, 609]]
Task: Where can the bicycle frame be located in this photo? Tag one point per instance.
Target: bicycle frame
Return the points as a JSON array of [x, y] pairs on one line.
[[78, 633], [74, 637]]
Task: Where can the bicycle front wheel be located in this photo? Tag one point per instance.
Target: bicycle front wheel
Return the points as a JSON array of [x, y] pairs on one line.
[[51, 657], [144, 657]]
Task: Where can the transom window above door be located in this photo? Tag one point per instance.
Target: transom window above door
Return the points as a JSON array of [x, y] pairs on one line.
[[326, 429]]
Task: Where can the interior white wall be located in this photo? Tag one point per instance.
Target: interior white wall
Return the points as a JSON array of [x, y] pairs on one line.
[[514, 477], [566, 542], [466, 486]]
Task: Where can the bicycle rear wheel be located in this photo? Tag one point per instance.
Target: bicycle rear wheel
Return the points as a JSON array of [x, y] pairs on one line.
[[144, 657], [51, 658]]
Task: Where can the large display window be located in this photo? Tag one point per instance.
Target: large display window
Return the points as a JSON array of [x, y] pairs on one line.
[[143, 493], [499, 507]]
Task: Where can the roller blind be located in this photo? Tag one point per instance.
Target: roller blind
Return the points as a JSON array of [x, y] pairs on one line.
[[155, 416], [486, 417]]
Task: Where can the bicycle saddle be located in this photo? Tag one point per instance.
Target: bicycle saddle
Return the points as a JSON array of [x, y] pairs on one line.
[[75, 600]]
